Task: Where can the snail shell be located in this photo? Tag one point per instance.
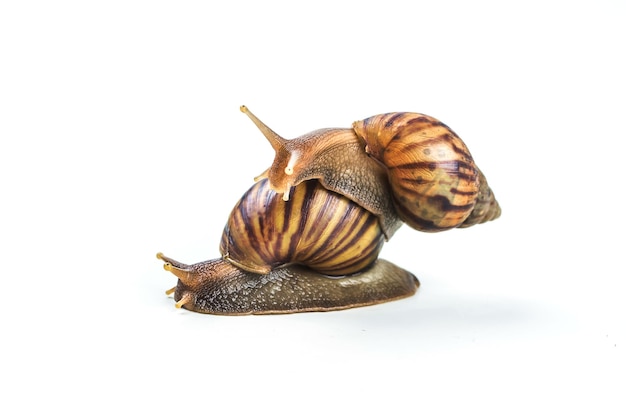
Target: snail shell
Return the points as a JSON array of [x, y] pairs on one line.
[[316, 227], [486, 207], [432, 174]]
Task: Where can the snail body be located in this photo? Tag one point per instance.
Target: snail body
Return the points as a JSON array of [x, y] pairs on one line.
[[219, 287], [307, 235], [316, 252], [422, 164]]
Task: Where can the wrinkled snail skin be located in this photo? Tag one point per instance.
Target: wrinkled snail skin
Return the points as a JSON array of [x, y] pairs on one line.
[[218, 287]]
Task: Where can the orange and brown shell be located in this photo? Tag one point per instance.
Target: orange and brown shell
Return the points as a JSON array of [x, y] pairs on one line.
[[433, 176]]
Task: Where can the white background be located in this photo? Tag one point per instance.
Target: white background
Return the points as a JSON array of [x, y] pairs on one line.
[[121, 137]]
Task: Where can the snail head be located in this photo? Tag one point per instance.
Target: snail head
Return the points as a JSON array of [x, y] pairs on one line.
[[282, 175]]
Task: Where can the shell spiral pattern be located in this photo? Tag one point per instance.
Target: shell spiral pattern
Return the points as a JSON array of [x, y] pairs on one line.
[[486, 207], [434, 179], [316, 227]]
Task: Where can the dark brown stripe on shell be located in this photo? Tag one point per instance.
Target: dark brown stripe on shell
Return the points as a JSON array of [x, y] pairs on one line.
[[450, 166], [371, 250], [286, 214], [429, 225], [441, 201], [423, 143], [459, 192], [334, 233], [423, 119], [445, 204], [389, 123], [410, 217], [410, 195], [451, 139], [461, 151], [350, 238], [301, 211], [243, 220]]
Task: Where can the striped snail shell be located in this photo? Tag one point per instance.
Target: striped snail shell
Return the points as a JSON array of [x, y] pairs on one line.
[[486, 207], [316, 227], [434, 179], [318, 251]]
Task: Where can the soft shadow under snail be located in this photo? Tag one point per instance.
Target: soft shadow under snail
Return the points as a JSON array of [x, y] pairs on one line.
[[306, 236]]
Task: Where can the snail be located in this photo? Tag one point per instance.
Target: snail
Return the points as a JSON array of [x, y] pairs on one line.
[[307, 235], [435, 183], [317, 251]]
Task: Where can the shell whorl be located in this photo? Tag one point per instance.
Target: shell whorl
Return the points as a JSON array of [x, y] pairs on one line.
[[432, 174], [486, 207], [316, 227]]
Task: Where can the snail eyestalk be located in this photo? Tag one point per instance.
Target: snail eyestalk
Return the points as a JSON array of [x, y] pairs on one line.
[[183, 272], [262, 175], [274, 139]]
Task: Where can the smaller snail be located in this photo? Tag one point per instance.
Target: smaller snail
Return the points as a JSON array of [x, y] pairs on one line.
[[307, 235], [219, 287], [316, 252]]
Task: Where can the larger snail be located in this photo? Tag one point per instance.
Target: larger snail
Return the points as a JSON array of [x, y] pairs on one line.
[[307, 235]]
